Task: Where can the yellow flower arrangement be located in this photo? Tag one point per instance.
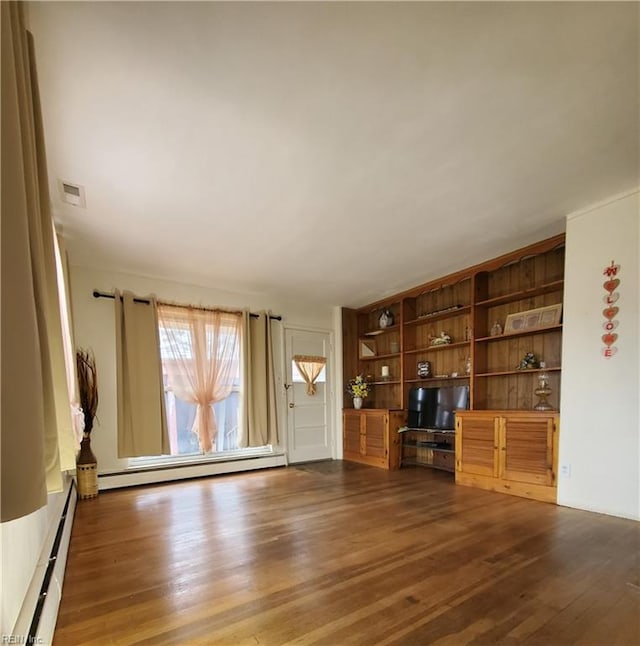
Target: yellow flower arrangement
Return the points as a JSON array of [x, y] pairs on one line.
[[358, 387]]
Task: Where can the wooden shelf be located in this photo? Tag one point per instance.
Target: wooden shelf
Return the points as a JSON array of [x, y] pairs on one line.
[[503, 337], [423, 379], [510, 410], [444, 346], [380, 356], [547, 288], [383, 330], [410, 445], [413, 429], [504, 373], [384, 382], [458, 311]]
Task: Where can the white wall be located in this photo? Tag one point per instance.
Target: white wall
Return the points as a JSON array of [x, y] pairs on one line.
[[599, 434], [94, 328]]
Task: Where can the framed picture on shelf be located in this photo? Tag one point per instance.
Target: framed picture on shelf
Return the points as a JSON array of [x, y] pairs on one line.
[[367, 348], [533, 319]]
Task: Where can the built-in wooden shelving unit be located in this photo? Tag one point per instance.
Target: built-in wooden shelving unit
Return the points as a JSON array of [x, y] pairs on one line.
[[464, 306]]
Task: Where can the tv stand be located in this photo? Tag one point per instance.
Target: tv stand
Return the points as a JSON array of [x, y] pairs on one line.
[[427, 447]]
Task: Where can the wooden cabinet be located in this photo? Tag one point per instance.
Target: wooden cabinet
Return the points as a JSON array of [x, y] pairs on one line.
[[477, 444], [370, 436], [511, 448], [508, 451]]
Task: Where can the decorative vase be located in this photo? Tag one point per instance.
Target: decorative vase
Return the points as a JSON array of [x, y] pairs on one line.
[[357, 403], [86, 470]]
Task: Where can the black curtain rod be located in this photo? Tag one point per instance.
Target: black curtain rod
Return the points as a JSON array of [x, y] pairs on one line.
[[97, 294]]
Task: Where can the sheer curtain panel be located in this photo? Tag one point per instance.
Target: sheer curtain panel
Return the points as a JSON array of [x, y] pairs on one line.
[[64, 291], [201, 361], [260, 426], [142, 422], [37, 439]]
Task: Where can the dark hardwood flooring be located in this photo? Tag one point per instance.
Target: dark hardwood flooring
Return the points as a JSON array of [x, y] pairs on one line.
[[338, 553]]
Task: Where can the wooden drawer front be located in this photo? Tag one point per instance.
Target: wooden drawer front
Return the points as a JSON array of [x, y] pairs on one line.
[[444, 460], [351, 431], [527, 451], [476, 446], [376, 435]]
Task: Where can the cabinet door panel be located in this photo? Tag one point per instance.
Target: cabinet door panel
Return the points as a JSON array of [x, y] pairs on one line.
[[527, 450], [376, 435], [477, 444], [351, 430]]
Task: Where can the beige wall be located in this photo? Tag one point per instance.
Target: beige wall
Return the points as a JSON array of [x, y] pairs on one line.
[[94, 328]]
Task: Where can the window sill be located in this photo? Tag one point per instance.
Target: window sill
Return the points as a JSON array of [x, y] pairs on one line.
[[170, 461]]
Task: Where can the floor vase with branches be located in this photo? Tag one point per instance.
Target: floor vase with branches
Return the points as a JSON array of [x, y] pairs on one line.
[[86, 462]]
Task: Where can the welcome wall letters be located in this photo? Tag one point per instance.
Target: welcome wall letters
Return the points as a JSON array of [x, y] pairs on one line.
[[611, 310]]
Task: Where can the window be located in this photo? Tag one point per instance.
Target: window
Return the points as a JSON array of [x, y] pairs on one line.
[[297, 378], [181, 415], [201, 362], [200, 352]]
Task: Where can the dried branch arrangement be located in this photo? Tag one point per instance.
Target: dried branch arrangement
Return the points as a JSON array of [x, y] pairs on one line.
[[88, 387]]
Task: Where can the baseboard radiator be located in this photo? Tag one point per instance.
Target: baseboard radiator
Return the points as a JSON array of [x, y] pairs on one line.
[[169, 473], [37, 619]]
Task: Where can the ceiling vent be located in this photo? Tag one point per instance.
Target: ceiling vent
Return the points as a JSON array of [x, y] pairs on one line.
[[72, 193]]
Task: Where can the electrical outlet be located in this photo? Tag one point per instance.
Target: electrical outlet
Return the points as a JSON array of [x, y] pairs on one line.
[[565, 470]]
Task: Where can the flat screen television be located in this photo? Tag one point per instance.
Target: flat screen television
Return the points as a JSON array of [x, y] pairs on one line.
[[435, 407]]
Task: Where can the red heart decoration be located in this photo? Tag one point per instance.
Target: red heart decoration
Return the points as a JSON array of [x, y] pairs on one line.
[[610, 312], [610, 285], [609, 339]]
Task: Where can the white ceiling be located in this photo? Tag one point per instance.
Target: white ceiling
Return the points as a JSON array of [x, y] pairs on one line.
[[334, 152]]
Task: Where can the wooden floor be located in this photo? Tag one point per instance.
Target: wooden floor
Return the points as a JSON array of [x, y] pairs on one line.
[[337, 553]]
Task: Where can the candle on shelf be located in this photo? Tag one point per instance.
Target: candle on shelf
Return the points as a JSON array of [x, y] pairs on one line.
[[385, 371]]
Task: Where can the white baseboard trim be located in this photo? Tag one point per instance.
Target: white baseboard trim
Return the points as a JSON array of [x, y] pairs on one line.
[[39, 612], [134, 477]]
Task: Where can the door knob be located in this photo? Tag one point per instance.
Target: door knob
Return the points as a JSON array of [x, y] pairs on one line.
[[291, 405]]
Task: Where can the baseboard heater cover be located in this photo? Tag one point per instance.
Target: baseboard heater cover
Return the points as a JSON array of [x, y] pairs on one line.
[[37, 619], [169, 473]]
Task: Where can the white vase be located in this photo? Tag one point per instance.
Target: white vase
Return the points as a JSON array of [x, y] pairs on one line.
[[357, 403]]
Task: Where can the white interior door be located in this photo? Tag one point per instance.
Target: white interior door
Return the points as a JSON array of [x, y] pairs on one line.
[[308, 416]]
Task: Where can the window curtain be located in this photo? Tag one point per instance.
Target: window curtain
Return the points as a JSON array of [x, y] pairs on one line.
[[36, 436], [310, 368], [260, 426], [142, 421], [201, 361], [64, 291]]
